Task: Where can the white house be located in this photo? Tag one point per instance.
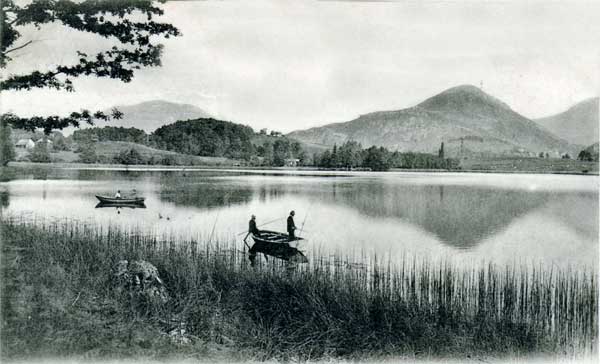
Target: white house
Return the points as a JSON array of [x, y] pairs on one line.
[[44, 140], [291, 162], [25, 144]]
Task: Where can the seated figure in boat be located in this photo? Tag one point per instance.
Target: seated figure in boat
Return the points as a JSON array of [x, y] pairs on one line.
[[118, 194], [252, 229]]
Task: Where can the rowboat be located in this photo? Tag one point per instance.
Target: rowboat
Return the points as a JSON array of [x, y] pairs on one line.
[[277, 245], [121, 205], [121, 201]]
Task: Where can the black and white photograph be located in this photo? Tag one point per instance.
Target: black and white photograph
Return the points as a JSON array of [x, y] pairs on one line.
[[308, 181]]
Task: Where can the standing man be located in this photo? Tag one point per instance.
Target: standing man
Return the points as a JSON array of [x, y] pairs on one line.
[[252, 229], [291, 227]]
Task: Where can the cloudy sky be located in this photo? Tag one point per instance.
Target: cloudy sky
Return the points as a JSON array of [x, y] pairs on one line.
[[292, 65]]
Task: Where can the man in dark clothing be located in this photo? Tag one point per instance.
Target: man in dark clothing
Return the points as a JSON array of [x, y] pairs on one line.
[[291, 227], [252, 229]]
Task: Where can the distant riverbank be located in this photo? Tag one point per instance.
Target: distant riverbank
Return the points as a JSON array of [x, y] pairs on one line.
[[500, 166]]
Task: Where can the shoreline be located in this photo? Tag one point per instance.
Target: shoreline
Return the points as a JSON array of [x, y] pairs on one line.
[[300, 170], [216, 306]]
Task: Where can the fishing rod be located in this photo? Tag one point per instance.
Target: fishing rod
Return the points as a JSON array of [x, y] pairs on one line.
[[266, 223], [305, 217], [217, 219]]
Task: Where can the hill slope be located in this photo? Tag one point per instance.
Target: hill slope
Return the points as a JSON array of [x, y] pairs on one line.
[[578, 125], [460, 115], [150, 115]]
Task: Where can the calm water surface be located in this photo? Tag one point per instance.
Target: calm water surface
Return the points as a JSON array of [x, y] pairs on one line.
[[533, 219]]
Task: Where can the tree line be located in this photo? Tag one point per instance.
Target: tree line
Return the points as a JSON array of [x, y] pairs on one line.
[[351, 155], [111, 133], [201, 137]]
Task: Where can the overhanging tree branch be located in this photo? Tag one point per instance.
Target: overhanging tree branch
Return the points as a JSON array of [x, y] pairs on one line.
[[19, 47], [48, 123], [112, 19]]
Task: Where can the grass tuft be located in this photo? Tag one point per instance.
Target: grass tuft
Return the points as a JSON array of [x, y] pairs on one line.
[[58, 301]]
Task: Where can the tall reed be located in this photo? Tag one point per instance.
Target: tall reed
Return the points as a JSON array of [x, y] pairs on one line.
[[330, 308]]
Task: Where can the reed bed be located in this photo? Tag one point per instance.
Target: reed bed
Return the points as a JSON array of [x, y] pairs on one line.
[[58, 301]]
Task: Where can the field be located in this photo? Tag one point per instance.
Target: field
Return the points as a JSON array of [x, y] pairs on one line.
[[60, 300], [108, 150]]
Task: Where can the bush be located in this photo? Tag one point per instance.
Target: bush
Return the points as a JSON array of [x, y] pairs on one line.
[[7, 150], [88, 154], [131, 156], [40, 154]]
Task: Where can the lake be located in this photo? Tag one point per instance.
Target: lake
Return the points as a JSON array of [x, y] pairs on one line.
[[467, 217]]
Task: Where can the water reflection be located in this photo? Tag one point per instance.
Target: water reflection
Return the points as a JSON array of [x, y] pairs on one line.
[[4, 199], [459, 216], [204, 195], [440, 215], [102, 205]]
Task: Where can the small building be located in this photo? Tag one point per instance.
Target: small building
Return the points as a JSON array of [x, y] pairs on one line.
[[25, 144], [291, 162], [44, 140]]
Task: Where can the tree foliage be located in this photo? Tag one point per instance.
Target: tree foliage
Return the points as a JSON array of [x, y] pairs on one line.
[[130, 157], [88, 154], [587, 155], [129, 23], [7, 149], [206, 137], [351, 155], [111, 133], [40, 153], [275, 153]]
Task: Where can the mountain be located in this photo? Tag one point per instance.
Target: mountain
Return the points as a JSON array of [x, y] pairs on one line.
[[465, 118], [150, 115], [578, 125]]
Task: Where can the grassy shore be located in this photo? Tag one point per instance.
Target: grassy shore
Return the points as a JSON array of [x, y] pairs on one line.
[[58, 301], [529, 165]]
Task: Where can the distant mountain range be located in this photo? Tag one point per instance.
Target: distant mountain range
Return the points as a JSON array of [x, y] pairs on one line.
[[151, 115], [465, 118], [578, 125]]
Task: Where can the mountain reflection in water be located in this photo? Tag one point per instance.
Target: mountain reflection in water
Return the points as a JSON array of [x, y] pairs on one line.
[[439, 214]]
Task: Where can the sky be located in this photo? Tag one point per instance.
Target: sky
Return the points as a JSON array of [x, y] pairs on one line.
[[293, 65]]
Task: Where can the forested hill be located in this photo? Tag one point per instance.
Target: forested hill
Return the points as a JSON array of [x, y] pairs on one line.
[[206, 137]]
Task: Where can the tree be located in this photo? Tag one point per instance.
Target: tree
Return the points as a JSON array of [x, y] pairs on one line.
[[131, 156], [117, 20], [267, 153], [88, 154], [7, 149], [441, 151], [60, 142], [585, 156], [281, 151], [377, 159], [40, 153]]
